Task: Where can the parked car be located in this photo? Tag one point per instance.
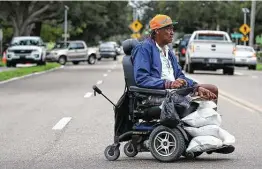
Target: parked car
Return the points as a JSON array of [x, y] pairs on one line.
[[210, 50], [245, 56], [109, 50], [26, 49], [181, 49], [72, 51]]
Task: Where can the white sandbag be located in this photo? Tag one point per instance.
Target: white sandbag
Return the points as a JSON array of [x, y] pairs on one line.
[[212, 130], [204, 143], [203, 117], [206, 104], [226, 137], [209, 130]]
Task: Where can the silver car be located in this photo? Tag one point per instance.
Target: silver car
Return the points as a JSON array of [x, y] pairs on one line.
[[245, 56]]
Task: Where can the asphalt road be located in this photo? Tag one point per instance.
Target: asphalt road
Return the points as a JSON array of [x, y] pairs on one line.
[[32, 107]]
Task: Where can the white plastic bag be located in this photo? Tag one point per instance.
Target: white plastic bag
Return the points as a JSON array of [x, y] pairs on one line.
[[206, 104], [212, 130], [204, 143], [203, 117]]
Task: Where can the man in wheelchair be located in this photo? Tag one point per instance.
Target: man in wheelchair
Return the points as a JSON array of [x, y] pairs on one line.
[[150, 70], [155, 65]]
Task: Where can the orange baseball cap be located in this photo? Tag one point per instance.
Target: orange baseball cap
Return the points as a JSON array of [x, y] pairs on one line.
[[160, 21]]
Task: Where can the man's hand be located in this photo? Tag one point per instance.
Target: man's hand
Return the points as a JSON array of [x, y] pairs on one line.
[[178, 83], [206, 94]]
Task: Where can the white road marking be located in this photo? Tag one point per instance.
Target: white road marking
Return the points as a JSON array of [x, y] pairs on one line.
[[254, 77], [99, 82], [88, 94], [109, 70], [62, 123], [241, 103], [105, 75], [236, 103], [238, 73]]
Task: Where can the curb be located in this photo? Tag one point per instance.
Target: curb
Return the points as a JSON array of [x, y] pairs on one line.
[[32, 74]]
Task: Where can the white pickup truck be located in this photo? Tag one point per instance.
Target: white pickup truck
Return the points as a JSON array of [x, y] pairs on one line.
[[210, 50]]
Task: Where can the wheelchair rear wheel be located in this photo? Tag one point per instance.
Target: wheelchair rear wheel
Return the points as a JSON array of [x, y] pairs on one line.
[[166, 144], [129, 150]]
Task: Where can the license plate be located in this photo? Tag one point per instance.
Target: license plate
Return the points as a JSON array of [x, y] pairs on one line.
[[243, 60], [212, 60]]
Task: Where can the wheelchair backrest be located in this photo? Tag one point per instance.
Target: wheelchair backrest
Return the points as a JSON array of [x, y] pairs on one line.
[[128, 45]]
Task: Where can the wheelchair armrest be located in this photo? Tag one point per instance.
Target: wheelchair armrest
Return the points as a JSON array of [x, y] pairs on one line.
[[147, 91]]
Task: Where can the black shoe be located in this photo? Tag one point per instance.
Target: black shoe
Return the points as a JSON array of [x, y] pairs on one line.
[[224, 150]]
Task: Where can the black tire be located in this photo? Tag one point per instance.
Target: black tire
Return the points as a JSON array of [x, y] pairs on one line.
[[8, 64], [91, 59], [252, 67], [130, 150], [62, 60], [229, 71], [112, 153], [190, 68], [99, 59], [176, 150], [75, 62], [115, 58], [41, 63]]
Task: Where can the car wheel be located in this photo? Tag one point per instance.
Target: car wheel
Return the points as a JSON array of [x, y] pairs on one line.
[[92, 59], [229, 71], [252, 67], [8, 64], [62, 60], [190, 68]]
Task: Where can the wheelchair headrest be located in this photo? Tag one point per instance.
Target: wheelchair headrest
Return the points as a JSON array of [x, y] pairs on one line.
[[128, 45]]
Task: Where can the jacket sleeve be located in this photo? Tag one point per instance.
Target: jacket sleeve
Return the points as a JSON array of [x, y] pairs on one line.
[[179, 73], [142, 64]]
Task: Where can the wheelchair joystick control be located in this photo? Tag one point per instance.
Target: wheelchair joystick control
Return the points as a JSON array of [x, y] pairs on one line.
[[97, 90]]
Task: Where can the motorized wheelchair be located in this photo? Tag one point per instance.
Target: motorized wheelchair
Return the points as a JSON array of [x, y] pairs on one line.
[[138, 124]]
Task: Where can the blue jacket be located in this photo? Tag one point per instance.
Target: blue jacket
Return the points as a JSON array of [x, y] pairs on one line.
[[148, 67]]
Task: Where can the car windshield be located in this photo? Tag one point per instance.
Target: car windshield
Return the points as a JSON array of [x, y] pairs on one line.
[[107, 45], [61, 45], [210, 36], [244, 49], [25, 42]]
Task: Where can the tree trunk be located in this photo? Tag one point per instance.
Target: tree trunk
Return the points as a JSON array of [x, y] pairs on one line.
[[37, 29]]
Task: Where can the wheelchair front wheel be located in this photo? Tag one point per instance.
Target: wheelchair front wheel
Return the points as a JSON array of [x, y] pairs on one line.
[[112, 153], [166, 144], [130, 150]]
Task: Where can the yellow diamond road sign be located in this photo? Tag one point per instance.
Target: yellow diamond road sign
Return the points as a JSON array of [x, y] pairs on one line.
[[244, 38], [136, 35], [135, 26], [244, 29]]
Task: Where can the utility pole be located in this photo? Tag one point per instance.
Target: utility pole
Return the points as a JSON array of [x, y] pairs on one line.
[[252, 23], [65, 28]]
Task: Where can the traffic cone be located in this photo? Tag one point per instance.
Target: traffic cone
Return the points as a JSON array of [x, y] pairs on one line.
[[4, 58]]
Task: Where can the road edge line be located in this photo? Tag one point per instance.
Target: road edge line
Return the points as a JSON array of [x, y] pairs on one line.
[[31, 74], [241, 102]]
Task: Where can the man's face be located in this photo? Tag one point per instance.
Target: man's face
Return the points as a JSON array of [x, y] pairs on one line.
[[165, 34]]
